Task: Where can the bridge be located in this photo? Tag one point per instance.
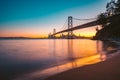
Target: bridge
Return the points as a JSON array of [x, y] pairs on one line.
[[70, 28]]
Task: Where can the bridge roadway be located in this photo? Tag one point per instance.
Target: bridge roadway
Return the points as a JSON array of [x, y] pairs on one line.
[[86, 25]]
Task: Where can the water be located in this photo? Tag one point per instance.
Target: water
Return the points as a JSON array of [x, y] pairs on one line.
[[36, 59]]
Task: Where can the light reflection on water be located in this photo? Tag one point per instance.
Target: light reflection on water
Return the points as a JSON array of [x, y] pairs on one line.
[[37, 59]]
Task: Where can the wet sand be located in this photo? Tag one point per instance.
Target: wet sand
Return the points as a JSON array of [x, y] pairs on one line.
[[106, 70]]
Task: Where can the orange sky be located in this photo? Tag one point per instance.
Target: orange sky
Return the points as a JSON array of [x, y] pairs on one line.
[[87, 32], [39, 18]]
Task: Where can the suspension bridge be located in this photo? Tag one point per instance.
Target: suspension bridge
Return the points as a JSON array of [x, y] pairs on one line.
[[70, 27]]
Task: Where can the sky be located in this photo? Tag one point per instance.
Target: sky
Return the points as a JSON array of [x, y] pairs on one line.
[[37, 18]]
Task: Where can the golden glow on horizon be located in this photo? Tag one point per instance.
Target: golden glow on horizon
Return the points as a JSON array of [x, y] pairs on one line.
[[87, 32], [23, 35]]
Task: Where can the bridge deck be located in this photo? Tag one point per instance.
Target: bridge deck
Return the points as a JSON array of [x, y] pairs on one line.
[[89, 24]]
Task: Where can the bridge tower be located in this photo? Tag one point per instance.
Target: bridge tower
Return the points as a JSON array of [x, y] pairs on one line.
[[54, 31], [70, 25]]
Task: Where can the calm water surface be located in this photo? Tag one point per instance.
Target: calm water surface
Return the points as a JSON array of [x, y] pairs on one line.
[[36, 59]]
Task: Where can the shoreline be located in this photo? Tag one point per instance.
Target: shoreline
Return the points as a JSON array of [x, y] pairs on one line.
[[106, 70]]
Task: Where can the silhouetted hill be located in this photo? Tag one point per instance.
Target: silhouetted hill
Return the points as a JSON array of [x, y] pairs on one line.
[[111, 31], [110, 21]]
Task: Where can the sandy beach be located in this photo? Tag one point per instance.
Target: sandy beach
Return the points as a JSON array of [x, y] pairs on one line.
[[106, 70]]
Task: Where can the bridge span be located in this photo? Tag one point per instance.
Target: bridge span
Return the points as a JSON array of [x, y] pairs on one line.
[[86, 25], [70, 27], [92, 23]]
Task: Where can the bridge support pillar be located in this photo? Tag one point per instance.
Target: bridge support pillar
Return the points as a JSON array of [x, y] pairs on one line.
[[70, 25], [54, 31]]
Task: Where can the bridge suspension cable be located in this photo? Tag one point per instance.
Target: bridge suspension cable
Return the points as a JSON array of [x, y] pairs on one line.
[[78, 21], [84, 19], [64, 25]]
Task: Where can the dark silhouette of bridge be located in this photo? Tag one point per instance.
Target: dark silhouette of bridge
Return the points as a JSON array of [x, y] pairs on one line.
[[90, 24], [70, 28]]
